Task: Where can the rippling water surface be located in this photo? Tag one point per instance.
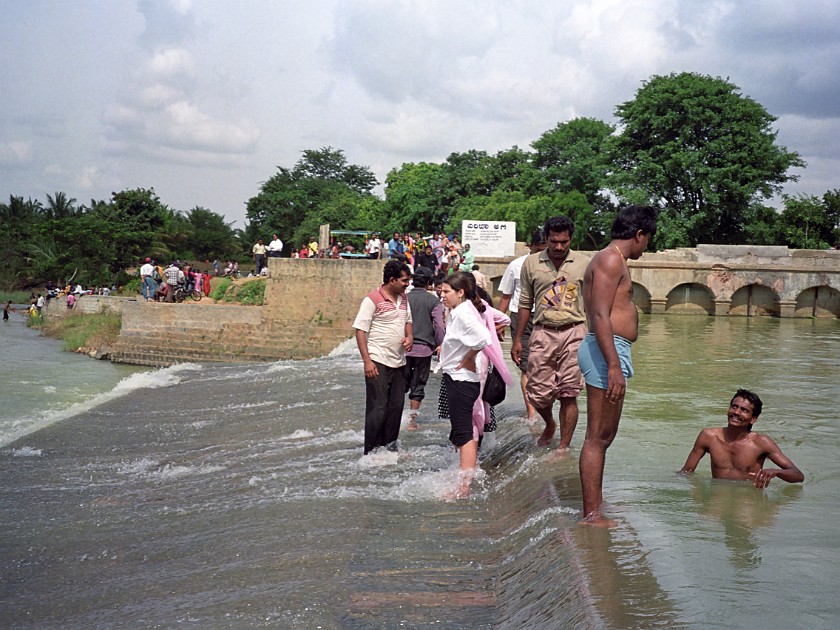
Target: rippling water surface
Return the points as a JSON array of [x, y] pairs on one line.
[[237, 496]]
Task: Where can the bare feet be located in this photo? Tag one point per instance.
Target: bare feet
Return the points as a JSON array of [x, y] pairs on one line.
[[412, 421], [562, 452], [465, 477], [547, 434], [596, 519], [457, 494]]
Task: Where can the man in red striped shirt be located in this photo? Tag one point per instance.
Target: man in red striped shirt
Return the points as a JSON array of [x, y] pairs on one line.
[[384, 333]]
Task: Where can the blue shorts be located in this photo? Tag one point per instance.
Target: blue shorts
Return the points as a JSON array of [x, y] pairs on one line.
[[594, 367]]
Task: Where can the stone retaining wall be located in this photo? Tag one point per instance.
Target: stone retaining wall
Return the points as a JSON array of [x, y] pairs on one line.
[[309, 309]]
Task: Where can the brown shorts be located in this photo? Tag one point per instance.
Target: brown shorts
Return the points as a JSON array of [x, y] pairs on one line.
[[553, 371]]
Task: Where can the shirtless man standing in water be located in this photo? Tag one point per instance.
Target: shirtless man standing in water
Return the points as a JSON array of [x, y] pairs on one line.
[[739, 453], [604, 355]]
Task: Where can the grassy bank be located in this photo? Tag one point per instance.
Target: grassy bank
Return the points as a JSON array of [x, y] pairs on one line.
[[17, 297], [89, 331]]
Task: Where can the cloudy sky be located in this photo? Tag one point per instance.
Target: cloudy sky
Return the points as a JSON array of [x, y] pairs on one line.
[[202, 99]]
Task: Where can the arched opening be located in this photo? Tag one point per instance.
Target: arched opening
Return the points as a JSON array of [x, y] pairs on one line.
[[690, 298], [818, 302], [755, 300], [641, 298]]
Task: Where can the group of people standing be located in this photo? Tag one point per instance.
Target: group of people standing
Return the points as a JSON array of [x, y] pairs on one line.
[[397, 336], [573, 321], [159, 283]]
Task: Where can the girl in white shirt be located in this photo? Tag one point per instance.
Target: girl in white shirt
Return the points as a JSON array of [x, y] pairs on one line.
[[466, 335]]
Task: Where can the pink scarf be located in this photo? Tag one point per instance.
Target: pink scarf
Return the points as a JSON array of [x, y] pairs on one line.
[[493, 352]]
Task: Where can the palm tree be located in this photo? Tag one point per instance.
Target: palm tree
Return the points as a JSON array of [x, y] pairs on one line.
[[60, 207]]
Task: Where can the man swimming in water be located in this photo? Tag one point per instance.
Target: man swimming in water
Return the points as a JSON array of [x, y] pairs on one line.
[[739, 453], [604, 354]]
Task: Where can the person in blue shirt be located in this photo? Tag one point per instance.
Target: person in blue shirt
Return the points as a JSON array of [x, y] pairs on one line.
[[395, 246]]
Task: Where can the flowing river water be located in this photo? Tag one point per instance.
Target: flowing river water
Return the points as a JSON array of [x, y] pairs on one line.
[[226, 496]]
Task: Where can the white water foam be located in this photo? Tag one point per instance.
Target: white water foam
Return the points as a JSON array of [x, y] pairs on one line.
[[165, 377], [153, 469], [346, 347], [27, 451]]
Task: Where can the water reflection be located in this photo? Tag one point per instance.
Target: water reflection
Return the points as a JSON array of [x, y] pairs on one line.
[[622, 584], [742, 509]]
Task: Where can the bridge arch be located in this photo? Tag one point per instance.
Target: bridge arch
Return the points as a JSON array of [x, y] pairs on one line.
[[818, 301], [641, 298], [690, 298], [755, 300]]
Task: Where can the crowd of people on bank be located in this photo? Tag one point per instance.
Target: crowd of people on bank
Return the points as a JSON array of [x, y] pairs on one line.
[[573, 321], [160, 284], [69, 294]]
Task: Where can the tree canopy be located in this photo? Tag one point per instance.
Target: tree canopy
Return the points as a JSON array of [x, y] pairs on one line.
[[698, 148], [321, 188]]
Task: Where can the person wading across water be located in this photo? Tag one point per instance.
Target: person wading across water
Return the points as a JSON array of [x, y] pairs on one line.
[[384, 334], [604, 355], [509, 288], [466, 336], [550, 282], [737, 452], [428, 330]]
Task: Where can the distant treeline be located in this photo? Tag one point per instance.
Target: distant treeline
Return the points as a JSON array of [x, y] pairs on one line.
[[690, 144]]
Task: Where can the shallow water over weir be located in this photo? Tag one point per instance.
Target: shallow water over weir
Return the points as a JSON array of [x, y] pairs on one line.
[[237, 496]]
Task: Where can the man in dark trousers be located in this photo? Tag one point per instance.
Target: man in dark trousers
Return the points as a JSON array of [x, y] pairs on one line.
[[384, 334], [427, 327]]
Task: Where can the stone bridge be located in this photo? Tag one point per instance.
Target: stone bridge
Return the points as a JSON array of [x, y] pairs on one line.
[[736, 280], [739, 280]]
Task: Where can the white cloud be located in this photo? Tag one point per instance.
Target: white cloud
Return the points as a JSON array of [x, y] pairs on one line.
[[172, 63], [89, 179], [191, 128], [15, 152]]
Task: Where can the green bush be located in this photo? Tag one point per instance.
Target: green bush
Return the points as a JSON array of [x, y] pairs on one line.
[[219, 287], [17, 297], [251, 293], [135, 285], [83, 330]]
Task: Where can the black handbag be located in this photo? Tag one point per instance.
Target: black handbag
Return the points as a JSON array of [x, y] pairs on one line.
[[494, 388]]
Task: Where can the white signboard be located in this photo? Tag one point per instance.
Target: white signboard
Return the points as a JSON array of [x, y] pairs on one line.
[[489, 239]]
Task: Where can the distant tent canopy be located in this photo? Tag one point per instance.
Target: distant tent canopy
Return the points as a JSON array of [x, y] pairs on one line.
[[351, 233]]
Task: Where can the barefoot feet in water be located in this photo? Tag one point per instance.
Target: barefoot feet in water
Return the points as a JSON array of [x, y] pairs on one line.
[[412, 420], [562, 452], [596, 519], [547, 434]]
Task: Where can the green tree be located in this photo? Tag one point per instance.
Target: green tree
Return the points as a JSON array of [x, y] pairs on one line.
[[60, 206], [413, 198], [209, 237], [18, 226], [696, 146], [806, 223], [831, 201], [761, 225], [575, 156], [291, 196]]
